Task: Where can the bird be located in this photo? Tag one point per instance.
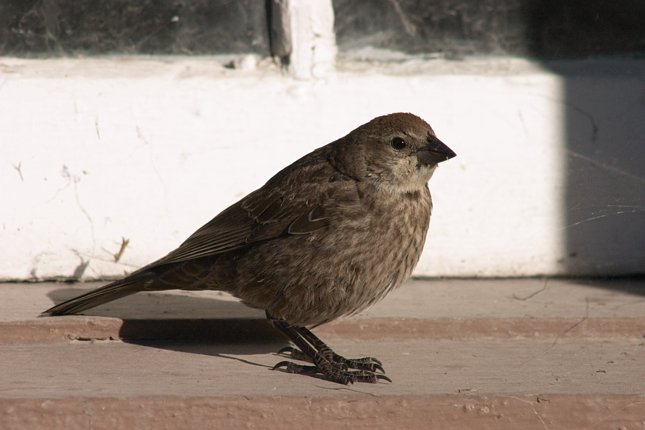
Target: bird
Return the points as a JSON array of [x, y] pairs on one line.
[[325, 237]]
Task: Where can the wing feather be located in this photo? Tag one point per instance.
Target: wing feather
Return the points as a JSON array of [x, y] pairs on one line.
[[308, 205]]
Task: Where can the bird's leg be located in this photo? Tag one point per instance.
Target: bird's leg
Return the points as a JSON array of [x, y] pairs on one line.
[[326, 364], [365, 363]]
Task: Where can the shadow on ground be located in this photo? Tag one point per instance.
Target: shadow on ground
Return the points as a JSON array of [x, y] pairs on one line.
[[634, 285], [198, 325]]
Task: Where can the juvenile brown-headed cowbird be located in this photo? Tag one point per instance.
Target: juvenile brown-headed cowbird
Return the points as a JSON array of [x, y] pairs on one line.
[[327, 236]]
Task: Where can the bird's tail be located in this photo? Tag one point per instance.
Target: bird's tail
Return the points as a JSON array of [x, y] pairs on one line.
[[109, 292]]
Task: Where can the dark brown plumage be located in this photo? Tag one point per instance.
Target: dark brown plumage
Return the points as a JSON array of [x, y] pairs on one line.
[[325, 237]]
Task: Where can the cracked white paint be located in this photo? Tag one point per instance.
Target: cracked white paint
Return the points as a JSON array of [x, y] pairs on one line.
[[150, 150]]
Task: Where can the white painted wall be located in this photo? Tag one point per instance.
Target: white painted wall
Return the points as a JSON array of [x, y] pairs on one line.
[[96, 150]]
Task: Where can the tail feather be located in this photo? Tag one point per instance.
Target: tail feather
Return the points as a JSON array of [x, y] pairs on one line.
[[109, 292]]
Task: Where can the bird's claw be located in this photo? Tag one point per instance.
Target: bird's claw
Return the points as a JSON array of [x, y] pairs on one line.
[[370, 364], [324, 362], [293, 353], [335, 373]]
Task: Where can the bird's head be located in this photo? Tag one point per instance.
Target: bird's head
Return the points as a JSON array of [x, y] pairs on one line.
[[398, 150]]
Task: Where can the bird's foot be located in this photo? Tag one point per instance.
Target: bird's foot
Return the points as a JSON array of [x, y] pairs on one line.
[[332, 371], [370, 364], [325, 363]]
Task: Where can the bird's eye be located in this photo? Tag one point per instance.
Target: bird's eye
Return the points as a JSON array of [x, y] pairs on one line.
[[398, 143]]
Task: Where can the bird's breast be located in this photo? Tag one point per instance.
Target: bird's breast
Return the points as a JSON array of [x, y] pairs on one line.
[[355, 261]]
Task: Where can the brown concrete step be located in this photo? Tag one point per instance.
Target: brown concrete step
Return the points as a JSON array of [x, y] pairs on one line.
[[428, 309], [419, 367], [485, 383], [461, 353], [334, 411]]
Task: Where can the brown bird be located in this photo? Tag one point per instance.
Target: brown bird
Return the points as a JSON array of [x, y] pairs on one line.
[[327, 236]]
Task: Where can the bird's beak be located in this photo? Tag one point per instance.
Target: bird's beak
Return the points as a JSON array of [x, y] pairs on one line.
[[434, 152]]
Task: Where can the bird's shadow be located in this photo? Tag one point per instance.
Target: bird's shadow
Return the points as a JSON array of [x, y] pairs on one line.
[[193, 324]]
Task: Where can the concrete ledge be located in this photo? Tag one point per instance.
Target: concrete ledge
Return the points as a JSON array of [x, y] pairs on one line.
[[225, 330], [342, 411], [436, 309], [502, 354], [418, 299]]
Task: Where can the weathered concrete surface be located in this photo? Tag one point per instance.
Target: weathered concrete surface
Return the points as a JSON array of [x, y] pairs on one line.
[[461, 353], [419, 367], [437, 384], [421, 309], [425, 299], [335, 411]]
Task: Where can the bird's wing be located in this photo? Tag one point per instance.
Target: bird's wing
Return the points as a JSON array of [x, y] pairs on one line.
[[286, 205]]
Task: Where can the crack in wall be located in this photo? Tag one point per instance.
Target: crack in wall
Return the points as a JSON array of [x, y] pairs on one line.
[[18, 168], [74, 180]]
